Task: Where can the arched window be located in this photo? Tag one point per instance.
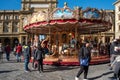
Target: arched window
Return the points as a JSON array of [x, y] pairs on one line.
[[7, 41]]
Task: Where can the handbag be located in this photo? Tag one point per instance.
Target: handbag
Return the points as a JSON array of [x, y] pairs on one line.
[[84, 61]]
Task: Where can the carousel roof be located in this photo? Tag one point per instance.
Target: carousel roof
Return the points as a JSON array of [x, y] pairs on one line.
[[85, 21]]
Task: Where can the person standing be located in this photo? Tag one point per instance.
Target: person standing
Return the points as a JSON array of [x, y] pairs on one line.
[[1, 51], [85, 52], [39, 58], [27, 56], [8, 50], [113, 50], [116, 67], [18, 52]]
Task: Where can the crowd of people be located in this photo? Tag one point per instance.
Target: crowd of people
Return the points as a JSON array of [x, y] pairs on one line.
[[25, 52], [36, 53]]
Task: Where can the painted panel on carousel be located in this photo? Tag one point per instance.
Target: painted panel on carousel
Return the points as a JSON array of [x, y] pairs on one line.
[[91, 13], [66, 14]]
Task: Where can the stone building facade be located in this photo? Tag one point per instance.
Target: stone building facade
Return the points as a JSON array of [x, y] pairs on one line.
[[11, 21], [117, 19]]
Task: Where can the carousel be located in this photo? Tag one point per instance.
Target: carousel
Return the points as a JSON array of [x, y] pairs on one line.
[[62, 29]]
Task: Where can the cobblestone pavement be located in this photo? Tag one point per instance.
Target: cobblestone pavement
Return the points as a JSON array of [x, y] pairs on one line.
[[11, 70]]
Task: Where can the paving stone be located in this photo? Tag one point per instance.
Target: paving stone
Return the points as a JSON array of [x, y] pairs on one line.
[[12, 70]]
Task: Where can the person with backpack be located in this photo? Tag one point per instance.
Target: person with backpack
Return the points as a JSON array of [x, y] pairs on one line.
[[85, 52]]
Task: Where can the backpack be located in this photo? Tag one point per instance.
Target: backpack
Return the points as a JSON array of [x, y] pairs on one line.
[[84, 60]]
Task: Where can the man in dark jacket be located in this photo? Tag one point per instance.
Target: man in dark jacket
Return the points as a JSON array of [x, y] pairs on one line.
[[85, 52], [113, 52], [8, 50]]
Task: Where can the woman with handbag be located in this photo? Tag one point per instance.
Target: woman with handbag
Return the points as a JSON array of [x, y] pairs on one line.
[[84, 56]]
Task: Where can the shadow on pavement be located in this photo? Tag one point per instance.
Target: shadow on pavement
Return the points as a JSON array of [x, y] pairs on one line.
[[7, 71], [12, 61], [59, 68], [100, 75]]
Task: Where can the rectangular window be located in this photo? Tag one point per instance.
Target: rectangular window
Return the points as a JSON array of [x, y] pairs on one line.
[[1, 17], [7, 17], [16, 17], [6, 27], [15, 27]]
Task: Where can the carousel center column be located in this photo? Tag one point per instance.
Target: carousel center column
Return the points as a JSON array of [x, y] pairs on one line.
[[35, 43]]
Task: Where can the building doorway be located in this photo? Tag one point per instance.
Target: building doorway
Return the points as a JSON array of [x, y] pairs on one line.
[[15, 41], [6, 41]]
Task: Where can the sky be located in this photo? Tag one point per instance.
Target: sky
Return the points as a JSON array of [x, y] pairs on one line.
[[99, 4]]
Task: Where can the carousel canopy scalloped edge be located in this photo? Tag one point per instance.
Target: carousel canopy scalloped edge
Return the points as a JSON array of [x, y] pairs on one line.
[[66, 13]]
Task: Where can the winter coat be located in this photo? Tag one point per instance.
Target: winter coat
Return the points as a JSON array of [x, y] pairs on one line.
[[38, 54], [26, 51], [7, 49], [84, 53]]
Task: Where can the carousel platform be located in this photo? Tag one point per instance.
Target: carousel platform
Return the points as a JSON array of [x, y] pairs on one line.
[[74, 60]]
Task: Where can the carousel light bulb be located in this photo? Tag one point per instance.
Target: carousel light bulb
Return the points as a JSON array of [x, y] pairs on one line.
[[70, 34]]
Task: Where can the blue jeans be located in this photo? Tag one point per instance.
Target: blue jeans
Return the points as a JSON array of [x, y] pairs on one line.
[[18, 57], [26, 62], [8, 56]]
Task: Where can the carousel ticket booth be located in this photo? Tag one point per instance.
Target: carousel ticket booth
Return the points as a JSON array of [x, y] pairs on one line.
[[64, 28]]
